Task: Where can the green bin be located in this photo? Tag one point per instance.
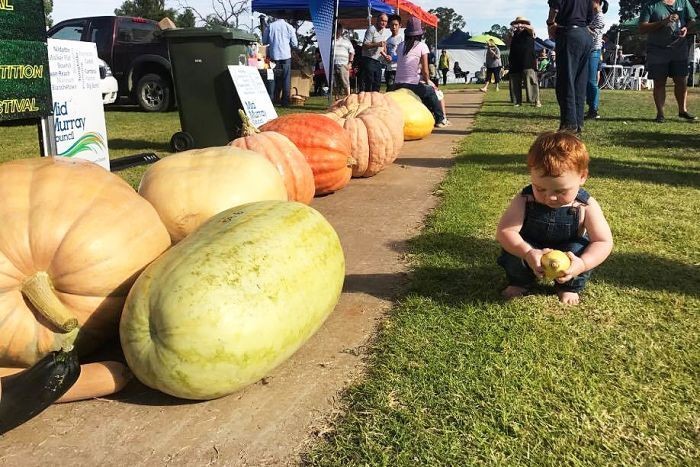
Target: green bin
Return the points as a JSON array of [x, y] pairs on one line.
[[207, 100]]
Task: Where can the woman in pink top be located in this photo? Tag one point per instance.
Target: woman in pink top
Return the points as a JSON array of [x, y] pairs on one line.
[[412, 70]]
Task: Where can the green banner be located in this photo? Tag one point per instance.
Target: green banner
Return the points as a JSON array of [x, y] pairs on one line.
[[25, 88], [22, 20]]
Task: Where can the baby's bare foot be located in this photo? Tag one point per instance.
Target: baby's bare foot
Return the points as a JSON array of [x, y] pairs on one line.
[[513, 291], [568, 298]]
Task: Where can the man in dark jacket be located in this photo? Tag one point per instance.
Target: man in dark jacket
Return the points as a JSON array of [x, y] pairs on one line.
[[522, 61], [567, 25]]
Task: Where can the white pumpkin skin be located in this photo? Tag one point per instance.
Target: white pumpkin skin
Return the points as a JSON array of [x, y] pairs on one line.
[[190, 187], [233, 300]]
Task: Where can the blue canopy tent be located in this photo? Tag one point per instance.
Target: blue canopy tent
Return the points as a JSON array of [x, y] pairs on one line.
[[347, 9], [325, 30], [543, 44]]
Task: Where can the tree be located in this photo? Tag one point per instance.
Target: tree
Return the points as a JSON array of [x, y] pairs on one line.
[[186, 19], [226, 13], [155, 9], [449, 21], [498, 31], [48, 9]]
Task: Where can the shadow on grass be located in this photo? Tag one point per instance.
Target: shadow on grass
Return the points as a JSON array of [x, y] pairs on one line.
[[516, 114], [600, 167], [646, 140], [138, 145], [649, 272], [470, 275]]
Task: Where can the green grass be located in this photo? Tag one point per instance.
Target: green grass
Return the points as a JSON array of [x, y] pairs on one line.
[[457, 376]]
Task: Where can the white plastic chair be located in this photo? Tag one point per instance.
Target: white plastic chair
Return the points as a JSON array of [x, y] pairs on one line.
[[638, 78]]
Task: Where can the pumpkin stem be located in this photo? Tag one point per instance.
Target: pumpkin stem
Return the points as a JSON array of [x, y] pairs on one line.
[[248, 128], [39, 290]]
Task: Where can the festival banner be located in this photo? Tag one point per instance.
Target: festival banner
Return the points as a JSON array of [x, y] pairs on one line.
[[323, 14], [78, 112], [25, 91]]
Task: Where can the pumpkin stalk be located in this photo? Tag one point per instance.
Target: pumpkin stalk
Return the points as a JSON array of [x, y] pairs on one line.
[[248, 127], [39, 290]]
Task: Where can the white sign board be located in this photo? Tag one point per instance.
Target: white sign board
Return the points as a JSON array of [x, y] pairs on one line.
[[78, 114], [251, 90]]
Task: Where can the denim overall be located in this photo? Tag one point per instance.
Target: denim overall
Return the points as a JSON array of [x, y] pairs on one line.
[[545, 227]]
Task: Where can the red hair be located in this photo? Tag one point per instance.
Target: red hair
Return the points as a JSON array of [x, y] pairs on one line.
[[556, 152]]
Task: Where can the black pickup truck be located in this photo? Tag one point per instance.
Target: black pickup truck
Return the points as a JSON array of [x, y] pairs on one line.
[[136, 53]]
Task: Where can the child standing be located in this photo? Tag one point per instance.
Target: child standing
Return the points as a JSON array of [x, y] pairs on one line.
[[554, 212]]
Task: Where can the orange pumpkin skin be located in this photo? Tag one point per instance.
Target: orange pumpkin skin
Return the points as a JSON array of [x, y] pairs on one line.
[[290, 162], [324, 144], [83, 233], [375, 126]]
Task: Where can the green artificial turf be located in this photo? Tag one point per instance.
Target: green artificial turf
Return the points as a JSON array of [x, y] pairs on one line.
[[457, 376]]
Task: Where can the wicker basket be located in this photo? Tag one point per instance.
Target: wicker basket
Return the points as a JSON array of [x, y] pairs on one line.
[[296, 100]]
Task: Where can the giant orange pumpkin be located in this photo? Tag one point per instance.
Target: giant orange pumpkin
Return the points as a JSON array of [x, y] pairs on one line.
[[73, 238], [324, 144], [375, 126], [284, 155]]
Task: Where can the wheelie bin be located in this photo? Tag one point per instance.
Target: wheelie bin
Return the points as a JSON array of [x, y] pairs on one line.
[[207, 100]]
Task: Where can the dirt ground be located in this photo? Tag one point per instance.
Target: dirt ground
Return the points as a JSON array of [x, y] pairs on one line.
[[273, 421]]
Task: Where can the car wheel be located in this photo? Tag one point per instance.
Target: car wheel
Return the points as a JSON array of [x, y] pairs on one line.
[[181, 141], [153, 93]]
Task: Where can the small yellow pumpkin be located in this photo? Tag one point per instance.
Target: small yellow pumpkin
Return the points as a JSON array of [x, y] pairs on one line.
[[190, 187], [418, 120]]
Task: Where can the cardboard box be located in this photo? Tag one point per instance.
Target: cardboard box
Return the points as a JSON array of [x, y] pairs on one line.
[[166, 23], [301, 82]]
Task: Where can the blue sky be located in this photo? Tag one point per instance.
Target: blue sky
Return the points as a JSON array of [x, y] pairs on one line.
[[479, 14]]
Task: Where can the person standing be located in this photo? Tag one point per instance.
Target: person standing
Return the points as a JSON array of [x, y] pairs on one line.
[[373, 51], [343, 54], [280, 38], [600, 7], [522, 61], [666, 22], [444, 65], [567, 26], [493, 65], [392, 43]]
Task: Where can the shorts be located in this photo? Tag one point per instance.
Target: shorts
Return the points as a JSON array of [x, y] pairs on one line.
[[670, 69], [663, 62]]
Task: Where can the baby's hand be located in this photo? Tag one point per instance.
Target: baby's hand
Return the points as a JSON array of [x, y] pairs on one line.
[[533, 259], [577, 267]]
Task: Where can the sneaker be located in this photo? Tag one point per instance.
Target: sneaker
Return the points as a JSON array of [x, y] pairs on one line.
[[592, 115], [441, 124], [516, 105], [538, 104], [447, 122], [687, 116], [659, 119]]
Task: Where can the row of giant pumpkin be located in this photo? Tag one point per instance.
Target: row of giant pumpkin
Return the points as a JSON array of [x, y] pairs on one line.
[[74, 239], [375, 124]]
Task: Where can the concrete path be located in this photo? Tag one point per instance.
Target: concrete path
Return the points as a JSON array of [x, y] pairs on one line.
[[273, 421]]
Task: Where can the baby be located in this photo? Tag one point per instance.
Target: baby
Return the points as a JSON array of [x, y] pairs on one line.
[[554, 212]]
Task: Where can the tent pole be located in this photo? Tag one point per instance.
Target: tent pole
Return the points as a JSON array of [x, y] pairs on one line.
[[332, 53]]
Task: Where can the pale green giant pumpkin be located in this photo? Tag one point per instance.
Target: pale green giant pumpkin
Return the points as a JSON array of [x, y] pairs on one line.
[[232, 300]]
